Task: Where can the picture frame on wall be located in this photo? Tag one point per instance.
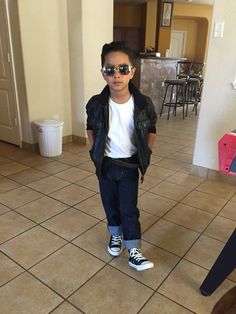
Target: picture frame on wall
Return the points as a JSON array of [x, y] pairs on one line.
[[166, 13]]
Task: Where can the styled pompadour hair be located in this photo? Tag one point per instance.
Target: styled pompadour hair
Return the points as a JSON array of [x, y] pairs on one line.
[[117, 46]]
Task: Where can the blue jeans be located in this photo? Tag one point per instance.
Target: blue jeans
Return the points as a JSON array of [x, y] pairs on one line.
[[119, 192]]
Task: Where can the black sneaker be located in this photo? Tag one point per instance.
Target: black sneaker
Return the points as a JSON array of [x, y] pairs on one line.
[[138, 261], [115, 245]]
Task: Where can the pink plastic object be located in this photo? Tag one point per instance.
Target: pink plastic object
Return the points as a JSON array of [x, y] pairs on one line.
[[227, 153]]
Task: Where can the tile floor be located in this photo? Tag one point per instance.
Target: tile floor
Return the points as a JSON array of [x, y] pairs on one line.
[[53, 235]]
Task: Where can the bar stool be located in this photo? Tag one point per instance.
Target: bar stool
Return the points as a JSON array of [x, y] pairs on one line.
[[189, 69], [174, 96], [192, 96]]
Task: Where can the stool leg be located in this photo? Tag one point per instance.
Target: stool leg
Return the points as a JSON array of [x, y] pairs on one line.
[[176, 100], [164, 99], [188, 97], [183, 98], [223, 266], [171, 95], [197, 98]]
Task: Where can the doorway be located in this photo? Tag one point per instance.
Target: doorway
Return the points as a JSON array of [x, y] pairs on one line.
[[177, 44], [9, 122]]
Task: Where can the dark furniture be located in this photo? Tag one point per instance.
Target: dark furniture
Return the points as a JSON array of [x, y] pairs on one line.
[[192, 72], [189, 69], [223, 266], [174, 96]]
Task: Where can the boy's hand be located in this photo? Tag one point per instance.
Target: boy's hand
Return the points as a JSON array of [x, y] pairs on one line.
[[90, 137], [151, 139]]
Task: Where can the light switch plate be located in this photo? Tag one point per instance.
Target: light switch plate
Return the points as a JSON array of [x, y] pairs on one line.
[[218, 29], [234, 84]]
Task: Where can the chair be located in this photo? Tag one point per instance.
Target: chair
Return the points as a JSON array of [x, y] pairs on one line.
[[189, 69], [192, 72], [174, 96], [193, 94], [223, 266]]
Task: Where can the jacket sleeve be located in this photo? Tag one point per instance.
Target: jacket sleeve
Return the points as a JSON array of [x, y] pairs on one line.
[[152, 116], [90, 114]]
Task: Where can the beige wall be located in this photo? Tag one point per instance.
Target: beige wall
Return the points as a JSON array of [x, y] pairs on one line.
[[202, 40], [197, 32], [151, 24], [196, 11], [164, 33], [181, 11], [88, 31], [191, 28], [218, 107], [164, 40], [44, 38], [193, 10], [61, 45]]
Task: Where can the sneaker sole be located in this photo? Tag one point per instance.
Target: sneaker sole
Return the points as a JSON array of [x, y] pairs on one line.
[[141, 267], [112, 253]]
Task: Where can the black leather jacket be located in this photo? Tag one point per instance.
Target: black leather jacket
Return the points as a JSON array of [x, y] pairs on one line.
[[98, 120]]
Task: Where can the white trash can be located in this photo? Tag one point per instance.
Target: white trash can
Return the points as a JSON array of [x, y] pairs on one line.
[[49, 137]]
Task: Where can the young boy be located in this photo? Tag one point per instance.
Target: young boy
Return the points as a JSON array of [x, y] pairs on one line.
[[121, 130]]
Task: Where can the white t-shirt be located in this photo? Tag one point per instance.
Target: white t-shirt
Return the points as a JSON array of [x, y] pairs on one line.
[[120, 139]]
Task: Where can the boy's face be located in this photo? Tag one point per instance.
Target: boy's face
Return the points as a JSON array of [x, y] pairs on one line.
[[118, 82]]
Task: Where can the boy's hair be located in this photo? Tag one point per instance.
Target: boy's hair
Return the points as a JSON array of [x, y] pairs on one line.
[[116, 46]]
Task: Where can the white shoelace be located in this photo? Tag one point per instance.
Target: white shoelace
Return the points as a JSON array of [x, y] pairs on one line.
[[136, 254], [116, 240]]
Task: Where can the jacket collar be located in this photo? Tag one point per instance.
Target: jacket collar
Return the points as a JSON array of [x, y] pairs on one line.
[[139, 100]]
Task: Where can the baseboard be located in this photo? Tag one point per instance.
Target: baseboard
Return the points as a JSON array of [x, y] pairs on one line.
[[222, 177], [34, 148], [80, 140], [211, 174], [67, 139]]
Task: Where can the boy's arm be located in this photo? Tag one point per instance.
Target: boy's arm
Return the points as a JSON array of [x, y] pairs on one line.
[[152, 127], [151, 139], [90, 119], [90, 137]]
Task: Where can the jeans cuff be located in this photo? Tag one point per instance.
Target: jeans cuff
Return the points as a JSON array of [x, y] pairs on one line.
[[114, 230], [130, 244]]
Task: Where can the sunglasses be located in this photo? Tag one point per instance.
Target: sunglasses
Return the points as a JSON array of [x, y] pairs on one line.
[[123, 69]]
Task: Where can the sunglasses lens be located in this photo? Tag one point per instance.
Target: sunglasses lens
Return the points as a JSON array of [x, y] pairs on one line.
[[124, 69], [109, 70]]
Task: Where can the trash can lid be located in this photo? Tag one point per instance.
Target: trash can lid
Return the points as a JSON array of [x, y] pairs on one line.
[[48, 122]]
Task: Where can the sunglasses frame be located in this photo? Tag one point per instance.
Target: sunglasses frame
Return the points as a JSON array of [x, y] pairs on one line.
[[116, 69]]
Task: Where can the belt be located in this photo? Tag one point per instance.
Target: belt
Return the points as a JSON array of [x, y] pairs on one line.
[[124, 162]]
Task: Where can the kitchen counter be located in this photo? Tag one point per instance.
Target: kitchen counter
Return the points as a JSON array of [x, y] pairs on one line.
[[153, 72]]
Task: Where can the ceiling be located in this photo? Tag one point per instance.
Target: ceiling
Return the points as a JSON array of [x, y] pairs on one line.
[[209, 2]]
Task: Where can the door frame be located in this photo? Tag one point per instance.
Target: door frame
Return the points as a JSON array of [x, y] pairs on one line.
[[13, 75], [184, 40]]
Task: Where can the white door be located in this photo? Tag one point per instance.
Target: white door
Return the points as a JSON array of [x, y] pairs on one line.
[[177, 44], [9, 131]]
